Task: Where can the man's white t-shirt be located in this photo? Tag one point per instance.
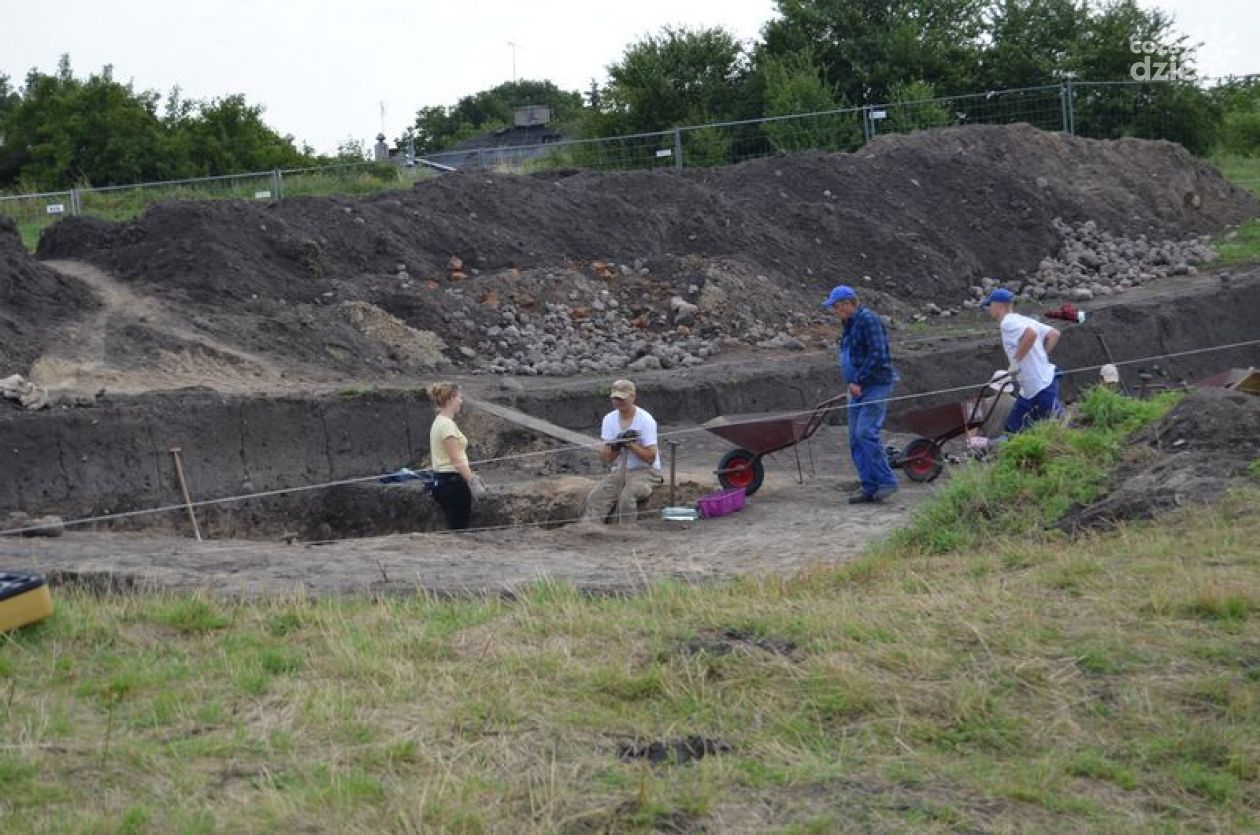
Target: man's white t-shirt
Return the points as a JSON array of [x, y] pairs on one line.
[[1035, 369], [646, 426]]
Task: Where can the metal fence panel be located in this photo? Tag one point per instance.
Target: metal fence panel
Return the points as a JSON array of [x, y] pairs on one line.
[[122, 202], [1041, 107], [614, 153], [348, 179]]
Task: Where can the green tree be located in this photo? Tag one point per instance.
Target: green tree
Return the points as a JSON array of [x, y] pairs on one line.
[[64, 130], [60, 131], [1103, 50], [438, 127], [9, 99], [1176, 111], [1239, 99], [1032, 42], [227, 135], [914, 106], [351, 149], [677, 77], [864, 47], [794, 84]]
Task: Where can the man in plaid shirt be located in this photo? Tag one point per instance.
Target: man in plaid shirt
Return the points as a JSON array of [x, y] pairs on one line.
[[866, 362]]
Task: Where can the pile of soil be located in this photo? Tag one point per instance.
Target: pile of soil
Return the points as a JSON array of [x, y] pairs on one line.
[[33, 301], [911, 220], [1193, 455]]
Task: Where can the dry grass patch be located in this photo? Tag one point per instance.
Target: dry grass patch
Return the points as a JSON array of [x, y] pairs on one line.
[[1107, 684]]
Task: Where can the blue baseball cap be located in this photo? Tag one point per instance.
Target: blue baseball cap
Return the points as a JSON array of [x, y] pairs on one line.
[[839, 294], [1001, 294]]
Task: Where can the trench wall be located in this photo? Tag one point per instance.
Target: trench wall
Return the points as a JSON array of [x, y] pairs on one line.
[[115, 456], [1212, 314]]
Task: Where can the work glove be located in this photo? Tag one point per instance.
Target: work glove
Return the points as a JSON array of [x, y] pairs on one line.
[[1013, 370], [477, 486], [624, 438]]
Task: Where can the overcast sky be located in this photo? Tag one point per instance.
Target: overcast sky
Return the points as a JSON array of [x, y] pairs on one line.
[[322, 69]]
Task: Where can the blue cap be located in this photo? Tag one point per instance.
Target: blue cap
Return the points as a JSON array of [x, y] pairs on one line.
[[1001, 294], [839, 294]]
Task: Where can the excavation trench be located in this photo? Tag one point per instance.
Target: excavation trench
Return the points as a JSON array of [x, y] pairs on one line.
[[114, 456]]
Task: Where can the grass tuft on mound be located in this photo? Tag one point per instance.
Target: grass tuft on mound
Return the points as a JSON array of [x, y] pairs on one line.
[[1038, 475]]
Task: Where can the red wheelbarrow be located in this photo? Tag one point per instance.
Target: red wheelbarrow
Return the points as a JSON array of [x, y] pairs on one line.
[[922, 459], [759, 436]]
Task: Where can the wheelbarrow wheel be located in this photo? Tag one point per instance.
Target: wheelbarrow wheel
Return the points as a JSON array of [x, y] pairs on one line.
[[740, 468], [921, 460]]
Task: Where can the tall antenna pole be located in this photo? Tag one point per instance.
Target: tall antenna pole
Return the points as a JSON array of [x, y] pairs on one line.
[[513, 45], [382, 117]]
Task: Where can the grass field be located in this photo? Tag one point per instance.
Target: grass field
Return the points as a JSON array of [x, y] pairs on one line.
[[1014, 680], [1242, 170], [1112, 684]]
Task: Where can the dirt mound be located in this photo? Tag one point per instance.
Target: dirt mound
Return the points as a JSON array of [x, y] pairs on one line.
[[33, 301], [1200, 449], [909, 219]]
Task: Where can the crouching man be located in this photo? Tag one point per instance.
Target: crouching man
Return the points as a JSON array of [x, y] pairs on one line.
[[629, 436]]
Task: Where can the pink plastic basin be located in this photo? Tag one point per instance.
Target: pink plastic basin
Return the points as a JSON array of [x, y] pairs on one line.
[[721, 503]]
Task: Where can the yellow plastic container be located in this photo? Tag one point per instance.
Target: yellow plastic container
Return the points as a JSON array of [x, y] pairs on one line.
[[24, 599]]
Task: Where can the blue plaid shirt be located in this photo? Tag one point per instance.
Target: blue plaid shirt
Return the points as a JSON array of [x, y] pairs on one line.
[[864, 355]]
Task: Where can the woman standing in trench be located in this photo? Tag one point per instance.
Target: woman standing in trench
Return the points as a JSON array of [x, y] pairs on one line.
[[448, 450]]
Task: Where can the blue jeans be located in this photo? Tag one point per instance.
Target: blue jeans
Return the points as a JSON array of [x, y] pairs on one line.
[[1028, 410], [866, 422]]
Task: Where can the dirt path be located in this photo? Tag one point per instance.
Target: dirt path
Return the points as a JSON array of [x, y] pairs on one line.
[[784, 528], [80, 358]]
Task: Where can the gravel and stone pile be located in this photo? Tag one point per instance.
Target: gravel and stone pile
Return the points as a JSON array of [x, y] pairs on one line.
[[564, 323], [1093, 262]]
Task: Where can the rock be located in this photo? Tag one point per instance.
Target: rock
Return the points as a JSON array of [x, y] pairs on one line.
[[511, 385], [646, 363], [467, 352], [46, 525], [783, 340], [684, 312], [1081, 294]]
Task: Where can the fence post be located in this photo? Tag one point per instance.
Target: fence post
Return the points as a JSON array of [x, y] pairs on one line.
[[74, 202], [481, 158], [867, 125], [1069, 110], [276, 185], [678, 160]]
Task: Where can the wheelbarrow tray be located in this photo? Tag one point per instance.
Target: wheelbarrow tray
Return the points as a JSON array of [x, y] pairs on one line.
[[949, 420], [762, 435]]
